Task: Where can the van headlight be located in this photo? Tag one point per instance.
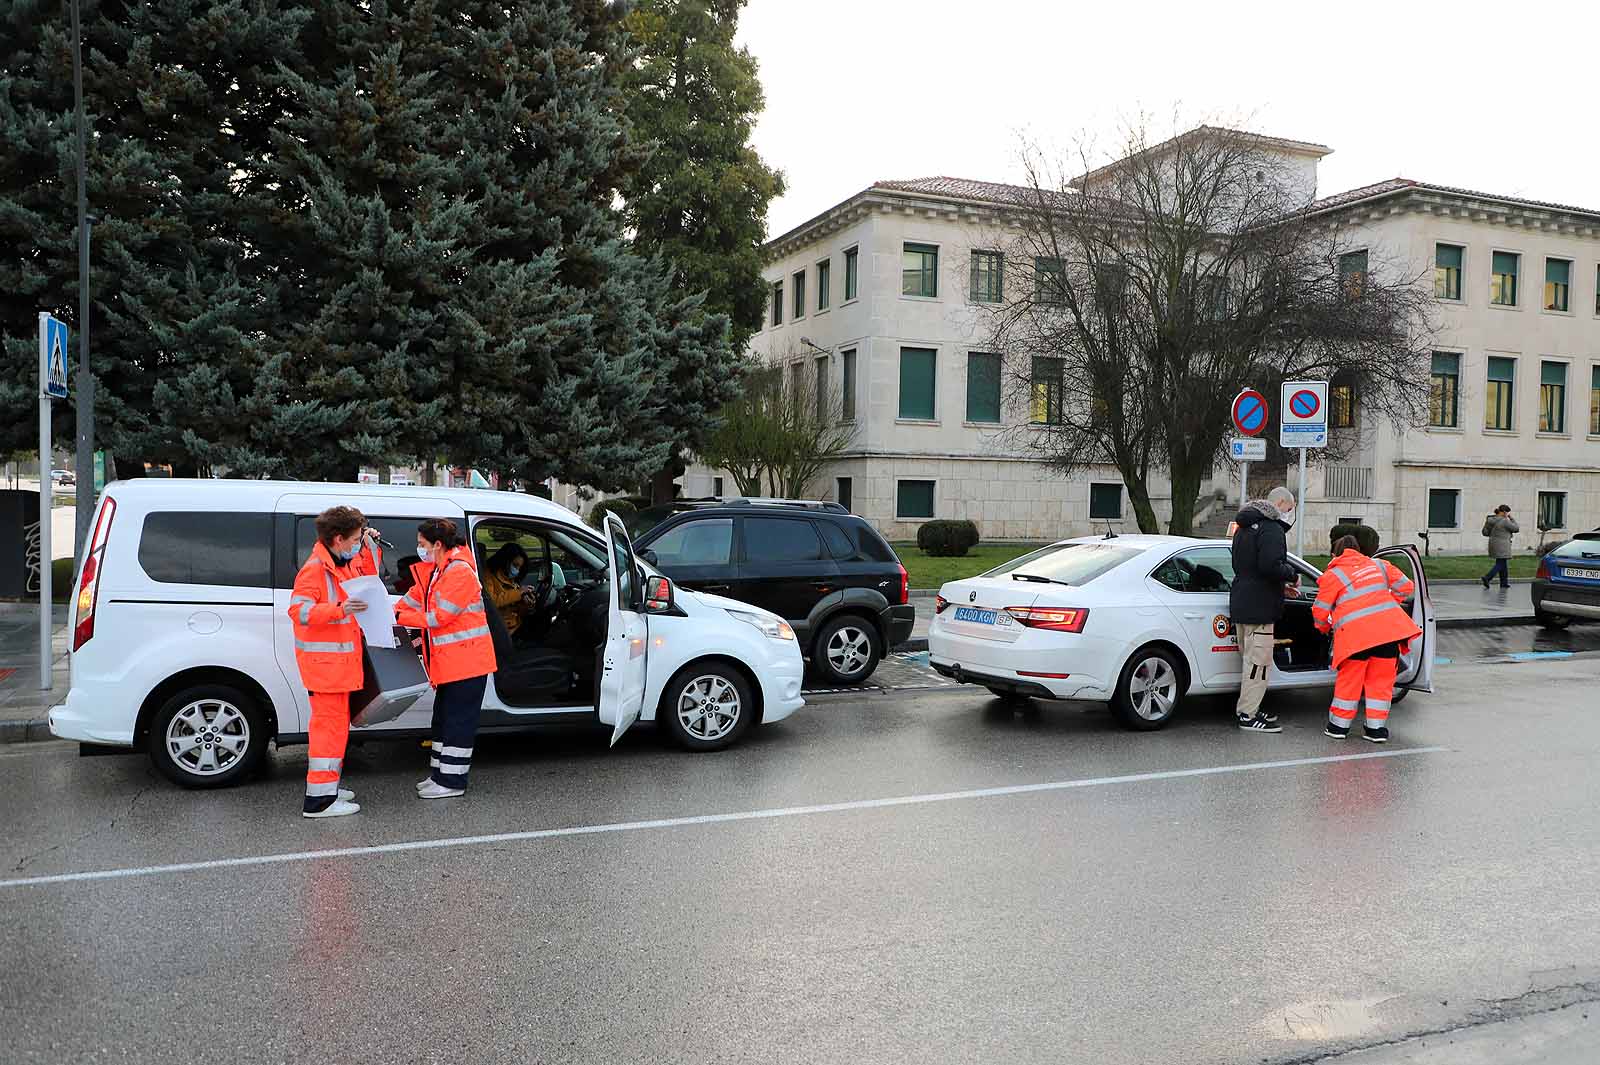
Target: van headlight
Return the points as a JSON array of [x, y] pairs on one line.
[[772, 628]]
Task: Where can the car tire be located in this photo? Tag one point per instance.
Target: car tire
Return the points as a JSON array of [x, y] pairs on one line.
[[847, 650], [1150, 689], [1551, 621], [208, 736], [692, 724]]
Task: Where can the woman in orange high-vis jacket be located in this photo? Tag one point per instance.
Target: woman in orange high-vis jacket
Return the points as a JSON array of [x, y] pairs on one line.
[[1358, 600], [327, 648], [446, 603]]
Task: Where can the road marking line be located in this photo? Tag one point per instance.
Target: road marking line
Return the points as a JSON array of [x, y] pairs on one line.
[[705, 819]]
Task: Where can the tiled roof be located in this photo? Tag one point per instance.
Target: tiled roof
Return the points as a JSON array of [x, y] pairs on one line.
[[1398, 184], [962, 189]]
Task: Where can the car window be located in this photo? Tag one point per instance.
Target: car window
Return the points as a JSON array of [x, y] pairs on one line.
[[580, 562], [872, 545], [780, 540], [627, 574], [696, 543], [1578, 549], [396, 561], [839, 545], [229, 549], [1207, 569], [1071, 563]]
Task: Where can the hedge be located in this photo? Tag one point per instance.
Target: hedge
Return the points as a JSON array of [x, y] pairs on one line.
[[1365, 535], [622, 508], [947, 539]]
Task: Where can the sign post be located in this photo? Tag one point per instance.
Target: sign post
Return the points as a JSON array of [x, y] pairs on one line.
[[1250, 418], [52, 386], [1304, 425]]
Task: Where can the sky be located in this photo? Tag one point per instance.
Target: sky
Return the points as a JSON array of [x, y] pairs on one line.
[[1497, 97]]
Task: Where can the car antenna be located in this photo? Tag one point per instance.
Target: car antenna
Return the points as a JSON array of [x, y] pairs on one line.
[[1111, 534]]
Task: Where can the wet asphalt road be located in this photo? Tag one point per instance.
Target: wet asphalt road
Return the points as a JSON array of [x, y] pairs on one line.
[[1258, 914]]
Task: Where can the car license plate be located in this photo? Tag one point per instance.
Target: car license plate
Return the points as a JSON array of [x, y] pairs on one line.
[[1582, 574], [975, 614]]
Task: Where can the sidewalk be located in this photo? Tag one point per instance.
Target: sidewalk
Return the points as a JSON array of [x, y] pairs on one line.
[[23, 706]]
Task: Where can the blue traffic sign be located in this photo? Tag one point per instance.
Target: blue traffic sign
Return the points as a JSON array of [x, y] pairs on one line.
[[1250, 412], [1304, 403], [52, 357]]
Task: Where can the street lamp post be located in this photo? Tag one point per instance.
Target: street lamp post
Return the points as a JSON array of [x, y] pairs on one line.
[[85, 407]]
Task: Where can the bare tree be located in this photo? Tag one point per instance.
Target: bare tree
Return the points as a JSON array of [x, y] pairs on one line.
[[783, 429], [1140, 298]]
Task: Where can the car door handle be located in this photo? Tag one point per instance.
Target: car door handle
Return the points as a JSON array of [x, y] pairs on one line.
[[713, 587], [1193, 617]]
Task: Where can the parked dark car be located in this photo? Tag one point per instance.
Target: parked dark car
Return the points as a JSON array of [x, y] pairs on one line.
[[821, 568], [1567, 585]]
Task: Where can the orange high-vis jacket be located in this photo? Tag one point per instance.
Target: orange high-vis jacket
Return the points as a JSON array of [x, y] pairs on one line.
[[446, 602], [327, 641], [1358, 598]]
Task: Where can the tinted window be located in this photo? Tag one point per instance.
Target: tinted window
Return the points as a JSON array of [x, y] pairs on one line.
[[780, 540], [708, 542], [839, 545], [208, 547], [1072, 563], [1206, 570], [396, 561], [627, 576], [872, 545]]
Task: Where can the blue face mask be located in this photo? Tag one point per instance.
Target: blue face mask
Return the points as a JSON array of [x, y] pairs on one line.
[[425, 554], [349, 553], [514, 571]]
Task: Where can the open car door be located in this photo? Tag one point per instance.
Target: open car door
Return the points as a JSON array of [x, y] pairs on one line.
[[1416, 666], [622, 656]]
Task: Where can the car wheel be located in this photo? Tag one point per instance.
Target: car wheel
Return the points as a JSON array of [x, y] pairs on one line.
[[706, 706], [208, 736], [1551, 621], [1149, 690], [847, 650]]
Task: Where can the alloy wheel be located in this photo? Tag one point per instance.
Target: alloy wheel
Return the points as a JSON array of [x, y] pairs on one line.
[[709, 707], [208, 737], [1153, 689], [849, 650]]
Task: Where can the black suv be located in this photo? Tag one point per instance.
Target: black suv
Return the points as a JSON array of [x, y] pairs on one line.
[[824, 570]]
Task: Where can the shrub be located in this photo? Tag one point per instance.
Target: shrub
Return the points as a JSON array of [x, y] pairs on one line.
[[947, 539], [1365, 535], [622, 508]]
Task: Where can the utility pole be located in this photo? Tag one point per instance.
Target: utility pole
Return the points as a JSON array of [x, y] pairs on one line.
[[85, 457]]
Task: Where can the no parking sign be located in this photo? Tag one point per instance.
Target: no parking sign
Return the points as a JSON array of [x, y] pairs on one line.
[[1305, 414]]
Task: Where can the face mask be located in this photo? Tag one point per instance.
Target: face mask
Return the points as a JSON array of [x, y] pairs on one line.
[[1287, 517], [514, 572], [425, 554], [349, 553]]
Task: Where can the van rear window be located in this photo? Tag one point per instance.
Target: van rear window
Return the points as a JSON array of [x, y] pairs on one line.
[[225, 548]]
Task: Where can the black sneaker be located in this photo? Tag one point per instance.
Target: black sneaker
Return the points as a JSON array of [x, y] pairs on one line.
[[1376, 735], [1269, 718], [1259, 724], [1337, 732], [1485, 581]]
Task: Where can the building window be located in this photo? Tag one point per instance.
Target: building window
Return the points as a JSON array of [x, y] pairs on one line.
[[1594, 401], [797, 385], [983, 387], [1497, 404], [777, 303], [843, 491], [1447, 271], [917, 367], [847, 398], [1444, 508], [1557, 284], [1353, 272], [919, 270], [1105, 502], [1342, 404], [1503, 282], [824, 415], [716, 487], [1444, 403], [799, 295], [987, 267], [852, 258], [1049, 281], [824, 282], [1552, 511], [1552, 397], [913, 499], [1048, 387]]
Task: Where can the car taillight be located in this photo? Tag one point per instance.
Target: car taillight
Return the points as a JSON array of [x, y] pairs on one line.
[[1054, 618], [905, 587], [1543, 573], [939, 603], [89, 581]]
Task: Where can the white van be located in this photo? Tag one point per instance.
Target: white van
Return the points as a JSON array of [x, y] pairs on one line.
[[181, 640]]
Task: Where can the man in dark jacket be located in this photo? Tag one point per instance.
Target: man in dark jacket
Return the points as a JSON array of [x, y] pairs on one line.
[[1260, 571]]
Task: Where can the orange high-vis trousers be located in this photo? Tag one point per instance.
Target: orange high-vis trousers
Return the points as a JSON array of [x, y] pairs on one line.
[[1369, 678], [328, 735]]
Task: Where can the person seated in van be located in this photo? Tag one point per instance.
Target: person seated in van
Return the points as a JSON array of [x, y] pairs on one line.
[[327, 648], [503, 587]]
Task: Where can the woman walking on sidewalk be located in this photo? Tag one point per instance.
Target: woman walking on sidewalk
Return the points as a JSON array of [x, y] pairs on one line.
[[1358, 599], [1500, 527]]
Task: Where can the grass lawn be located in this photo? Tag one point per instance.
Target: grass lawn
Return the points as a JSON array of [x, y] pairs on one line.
[[929, 572], [1458, 567]]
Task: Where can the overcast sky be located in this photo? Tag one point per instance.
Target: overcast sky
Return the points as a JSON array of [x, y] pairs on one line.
[[1501, 97]]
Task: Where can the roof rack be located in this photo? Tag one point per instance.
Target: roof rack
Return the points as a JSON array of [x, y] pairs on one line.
[[805, 504]]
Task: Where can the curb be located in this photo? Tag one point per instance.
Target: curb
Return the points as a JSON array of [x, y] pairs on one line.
[[916, 643], [1487, 622], [25, 732]]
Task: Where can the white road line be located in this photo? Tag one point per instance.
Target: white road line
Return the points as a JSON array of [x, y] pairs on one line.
[[703, 819]]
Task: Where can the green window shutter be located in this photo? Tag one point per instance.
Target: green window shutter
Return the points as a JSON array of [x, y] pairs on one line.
[[1553, 373], [1594, 378], [848, 398], [983, 387], [914, 499], [1105, 502], [824, 281], [1447, 255], [1558, 271], [1446, 362], [852, 260], [1502, 369], [1441, 508], [1505, 262], [1354, 262], [916, 383]]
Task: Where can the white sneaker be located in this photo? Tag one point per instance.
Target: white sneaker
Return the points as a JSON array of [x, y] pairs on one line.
[[339, 808], [437, 791], [424, 782], [346, 795]]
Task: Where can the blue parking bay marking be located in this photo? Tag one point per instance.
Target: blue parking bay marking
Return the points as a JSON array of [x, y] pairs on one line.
[[1528, 656]]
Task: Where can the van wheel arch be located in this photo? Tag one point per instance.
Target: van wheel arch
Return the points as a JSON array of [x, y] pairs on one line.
[[743, 669], [204, 675]]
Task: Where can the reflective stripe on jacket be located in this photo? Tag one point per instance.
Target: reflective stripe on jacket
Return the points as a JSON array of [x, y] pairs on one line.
[[1358, 599], [446, 602], [327, 641]]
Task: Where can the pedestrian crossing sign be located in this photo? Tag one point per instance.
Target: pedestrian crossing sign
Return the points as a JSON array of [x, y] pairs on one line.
[[52, 357]]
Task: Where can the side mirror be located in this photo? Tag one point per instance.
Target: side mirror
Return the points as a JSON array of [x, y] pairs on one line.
[[658, 596], [649, 556]]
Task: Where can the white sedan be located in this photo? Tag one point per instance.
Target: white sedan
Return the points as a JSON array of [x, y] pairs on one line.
[[1139, 621]]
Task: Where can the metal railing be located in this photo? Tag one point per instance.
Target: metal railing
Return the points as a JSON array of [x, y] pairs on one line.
[[1347, 482]]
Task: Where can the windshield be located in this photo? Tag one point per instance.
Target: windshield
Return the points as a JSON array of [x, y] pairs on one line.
[[1068, 563], [1578, 549]]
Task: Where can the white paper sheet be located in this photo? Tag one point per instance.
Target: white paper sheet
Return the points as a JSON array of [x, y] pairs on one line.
[[377, 621]]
